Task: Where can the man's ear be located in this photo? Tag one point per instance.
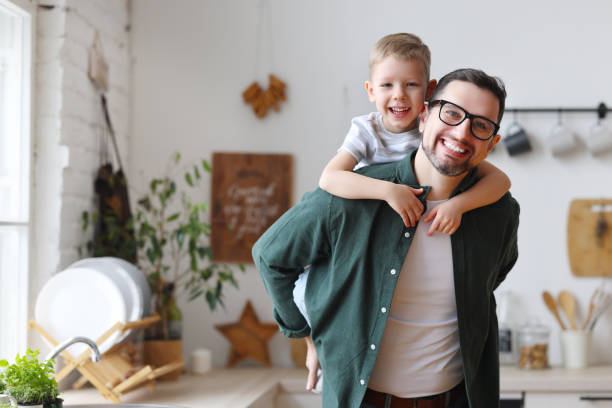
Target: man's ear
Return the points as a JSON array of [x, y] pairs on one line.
[[430, 88], [423, 117], [370, 90], [494, 140]]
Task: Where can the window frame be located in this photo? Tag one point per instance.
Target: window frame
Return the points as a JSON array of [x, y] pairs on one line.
[[16, 328]]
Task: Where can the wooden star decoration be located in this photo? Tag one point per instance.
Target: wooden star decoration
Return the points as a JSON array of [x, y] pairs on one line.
[[249, 337]]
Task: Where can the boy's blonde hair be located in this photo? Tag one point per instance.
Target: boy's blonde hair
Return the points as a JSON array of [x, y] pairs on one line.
[[401, 45]]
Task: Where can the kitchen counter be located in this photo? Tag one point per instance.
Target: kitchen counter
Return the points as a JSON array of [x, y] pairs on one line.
[[264, 387], [557, 379], [221, 388]]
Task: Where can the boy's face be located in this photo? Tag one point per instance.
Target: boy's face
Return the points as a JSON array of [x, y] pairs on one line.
[[398, 88]]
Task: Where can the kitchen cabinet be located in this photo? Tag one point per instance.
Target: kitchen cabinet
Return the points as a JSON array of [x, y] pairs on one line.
[[558, 387], [567, 400]]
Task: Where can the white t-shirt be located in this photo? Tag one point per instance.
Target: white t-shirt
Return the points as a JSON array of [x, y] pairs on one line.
[[419, 351], [370, 143]]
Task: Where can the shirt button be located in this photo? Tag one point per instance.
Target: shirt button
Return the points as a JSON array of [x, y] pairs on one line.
[[383, 309], [362, 382], [373, 346], [393, 271], [407, 234]]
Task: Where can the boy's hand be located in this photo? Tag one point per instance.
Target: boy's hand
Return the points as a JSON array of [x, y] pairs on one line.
[[446, 218], [404, 202], [312, 364]]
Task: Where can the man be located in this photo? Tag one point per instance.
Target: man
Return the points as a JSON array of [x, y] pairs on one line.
[[399, 318]]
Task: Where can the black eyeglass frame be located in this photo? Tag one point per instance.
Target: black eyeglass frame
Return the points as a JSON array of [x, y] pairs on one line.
[[468, 115]]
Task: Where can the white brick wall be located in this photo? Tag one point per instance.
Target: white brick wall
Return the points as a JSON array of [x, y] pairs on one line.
[[68, 122]]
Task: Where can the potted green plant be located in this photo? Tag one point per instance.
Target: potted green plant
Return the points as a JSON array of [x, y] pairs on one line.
[[31, 382], [175, 254], [172, 234]]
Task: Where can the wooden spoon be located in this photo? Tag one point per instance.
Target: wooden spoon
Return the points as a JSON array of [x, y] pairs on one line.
[[552, 306], [568, 304]]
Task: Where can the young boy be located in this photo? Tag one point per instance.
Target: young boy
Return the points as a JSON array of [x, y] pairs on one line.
[[398, 86]]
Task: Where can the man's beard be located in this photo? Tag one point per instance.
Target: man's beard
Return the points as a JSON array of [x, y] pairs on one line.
[[447, 167]]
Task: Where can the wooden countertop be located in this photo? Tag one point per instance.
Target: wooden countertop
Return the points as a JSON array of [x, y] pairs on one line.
[[245, 387]]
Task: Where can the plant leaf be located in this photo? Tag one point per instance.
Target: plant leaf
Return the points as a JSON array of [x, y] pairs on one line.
[[211, 299], [188, 179], [206, 166], [173, 217]]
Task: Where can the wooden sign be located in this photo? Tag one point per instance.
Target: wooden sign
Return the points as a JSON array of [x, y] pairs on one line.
[[249, 192], [589, 237]]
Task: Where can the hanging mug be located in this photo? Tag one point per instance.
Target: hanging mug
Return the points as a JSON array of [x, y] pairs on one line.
[[516, 140], [599, 139], [561, 140]]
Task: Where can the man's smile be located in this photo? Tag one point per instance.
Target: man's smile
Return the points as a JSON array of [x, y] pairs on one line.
[[456, 149]]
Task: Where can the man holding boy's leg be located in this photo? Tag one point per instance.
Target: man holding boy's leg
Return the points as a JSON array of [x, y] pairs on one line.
[[398, 317]]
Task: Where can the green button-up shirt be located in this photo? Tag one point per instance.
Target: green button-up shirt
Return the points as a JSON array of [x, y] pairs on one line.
[[356, 249]]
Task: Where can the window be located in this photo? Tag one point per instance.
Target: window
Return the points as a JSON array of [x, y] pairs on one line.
[[15, 151]]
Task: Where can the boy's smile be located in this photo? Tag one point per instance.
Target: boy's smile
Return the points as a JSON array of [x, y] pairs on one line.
[[398, 87]]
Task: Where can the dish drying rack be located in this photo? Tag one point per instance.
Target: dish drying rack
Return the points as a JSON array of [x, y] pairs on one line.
[[113, 375]]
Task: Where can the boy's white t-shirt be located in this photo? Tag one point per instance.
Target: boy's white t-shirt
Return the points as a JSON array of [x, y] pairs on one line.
[[370, 143]]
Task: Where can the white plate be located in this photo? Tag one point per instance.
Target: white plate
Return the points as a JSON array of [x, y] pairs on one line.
[[80, 302], [140, 279], [134, 273], [130, 290]]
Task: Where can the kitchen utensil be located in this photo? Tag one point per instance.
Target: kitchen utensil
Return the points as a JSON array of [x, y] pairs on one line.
[[552, 306], [516, 141], [602, 302], [575, 344], [591, 308], [599, 139], [589, 254], [80, 302], [568, 305], [561, 140]]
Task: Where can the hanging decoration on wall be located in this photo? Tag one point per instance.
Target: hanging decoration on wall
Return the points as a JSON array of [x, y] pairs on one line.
[[98, 67], [263, 100], [249, 192]]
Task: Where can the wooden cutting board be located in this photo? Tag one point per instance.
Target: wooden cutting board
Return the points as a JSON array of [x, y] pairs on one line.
[[590, 254]]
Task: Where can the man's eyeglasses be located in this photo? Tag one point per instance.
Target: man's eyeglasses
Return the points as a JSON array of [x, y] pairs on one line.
[[453, 115]]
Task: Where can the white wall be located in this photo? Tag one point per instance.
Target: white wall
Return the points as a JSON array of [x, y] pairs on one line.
[[193, 59], [69, 122]]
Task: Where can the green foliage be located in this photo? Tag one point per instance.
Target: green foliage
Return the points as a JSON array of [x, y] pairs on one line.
[[172, 236], [117, 240], [28, 380]]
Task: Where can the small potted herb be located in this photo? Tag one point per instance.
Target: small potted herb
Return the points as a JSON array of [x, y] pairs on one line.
[[30, 382]]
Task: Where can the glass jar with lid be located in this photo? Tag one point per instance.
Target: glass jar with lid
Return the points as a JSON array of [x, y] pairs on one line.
[[533, 340]]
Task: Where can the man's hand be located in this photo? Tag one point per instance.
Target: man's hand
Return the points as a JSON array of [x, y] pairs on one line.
[[312, 364], [404, 202], [446, 218]]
